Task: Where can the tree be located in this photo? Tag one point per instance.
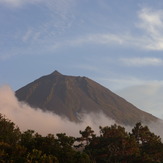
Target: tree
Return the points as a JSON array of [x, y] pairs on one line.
[[81, 157], [48, 144], [86, 136], [9, 133], [65, 151], [150, 145], [38, 156], [113, 145], [27, 139]]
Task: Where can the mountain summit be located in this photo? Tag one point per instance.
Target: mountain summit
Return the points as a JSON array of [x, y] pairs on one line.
[[70, 96], [56, 73]]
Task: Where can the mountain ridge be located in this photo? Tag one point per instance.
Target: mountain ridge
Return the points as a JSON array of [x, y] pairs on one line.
[[71, 96]]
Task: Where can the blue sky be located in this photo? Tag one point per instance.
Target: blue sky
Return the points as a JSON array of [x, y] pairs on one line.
[[116, 43]]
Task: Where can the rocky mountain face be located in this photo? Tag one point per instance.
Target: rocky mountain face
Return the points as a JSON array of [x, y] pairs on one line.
[[71, 96]]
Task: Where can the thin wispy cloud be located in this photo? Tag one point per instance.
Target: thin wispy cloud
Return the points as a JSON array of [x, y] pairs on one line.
[[18, 3], [59, 18], [151, 21], [52, 33], [119, 82], [140, 61], [97, 38], [39, 35], [27, 35]]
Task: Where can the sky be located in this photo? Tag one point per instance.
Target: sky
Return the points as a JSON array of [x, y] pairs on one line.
[[117, 43]]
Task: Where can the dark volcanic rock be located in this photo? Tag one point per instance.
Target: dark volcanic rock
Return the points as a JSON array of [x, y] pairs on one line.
[[70, 96]]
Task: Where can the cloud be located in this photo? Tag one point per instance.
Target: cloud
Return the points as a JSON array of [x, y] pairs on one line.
[[100, 39], [18, 3], [43, 34], [29, 35], [106, 39], [117, 82], [139, 62], [52, 33], [148, 97], [151, 21], [45, 122]]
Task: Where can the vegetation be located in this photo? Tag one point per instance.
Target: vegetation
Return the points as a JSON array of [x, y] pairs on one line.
[[113, 145]]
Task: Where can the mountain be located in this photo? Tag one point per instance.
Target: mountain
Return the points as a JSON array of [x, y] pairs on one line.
[[70, 96]]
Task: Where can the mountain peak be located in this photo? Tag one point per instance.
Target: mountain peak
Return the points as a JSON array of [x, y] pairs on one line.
[[56, 73]]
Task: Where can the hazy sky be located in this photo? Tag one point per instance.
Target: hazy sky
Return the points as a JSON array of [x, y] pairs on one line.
[[116, 43]]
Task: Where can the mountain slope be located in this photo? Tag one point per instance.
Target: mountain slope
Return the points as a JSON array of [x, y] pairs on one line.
[[71, 96]]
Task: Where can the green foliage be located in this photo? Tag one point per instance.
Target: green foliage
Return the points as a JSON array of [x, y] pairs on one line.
[[113, 145], [150, 145], [9, 133], [81, 157], [86, 136], [37, 156]]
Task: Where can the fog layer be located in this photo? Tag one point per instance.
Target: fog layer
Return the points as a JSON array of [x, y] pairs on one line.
[[26, 117]]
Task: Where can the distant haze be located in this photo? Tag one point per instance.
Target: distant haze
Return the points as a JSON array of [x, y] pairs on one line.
[[148, 97]]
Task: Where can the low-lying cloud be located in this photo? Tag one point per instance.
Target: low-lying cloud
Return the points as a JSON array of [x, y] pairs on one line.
[[26, 117]]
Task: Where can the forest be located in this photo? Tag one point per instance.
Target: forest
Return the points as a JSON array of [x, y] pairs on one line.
[[113, 145]]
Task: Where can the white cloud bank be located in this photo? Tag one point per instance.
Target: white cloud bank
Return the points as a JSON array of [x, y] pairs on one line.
[[43, 122]]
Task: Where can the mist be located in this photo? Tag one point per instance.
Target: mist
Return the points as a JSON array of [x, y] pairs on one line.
[[26, 117], [148, 97]]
